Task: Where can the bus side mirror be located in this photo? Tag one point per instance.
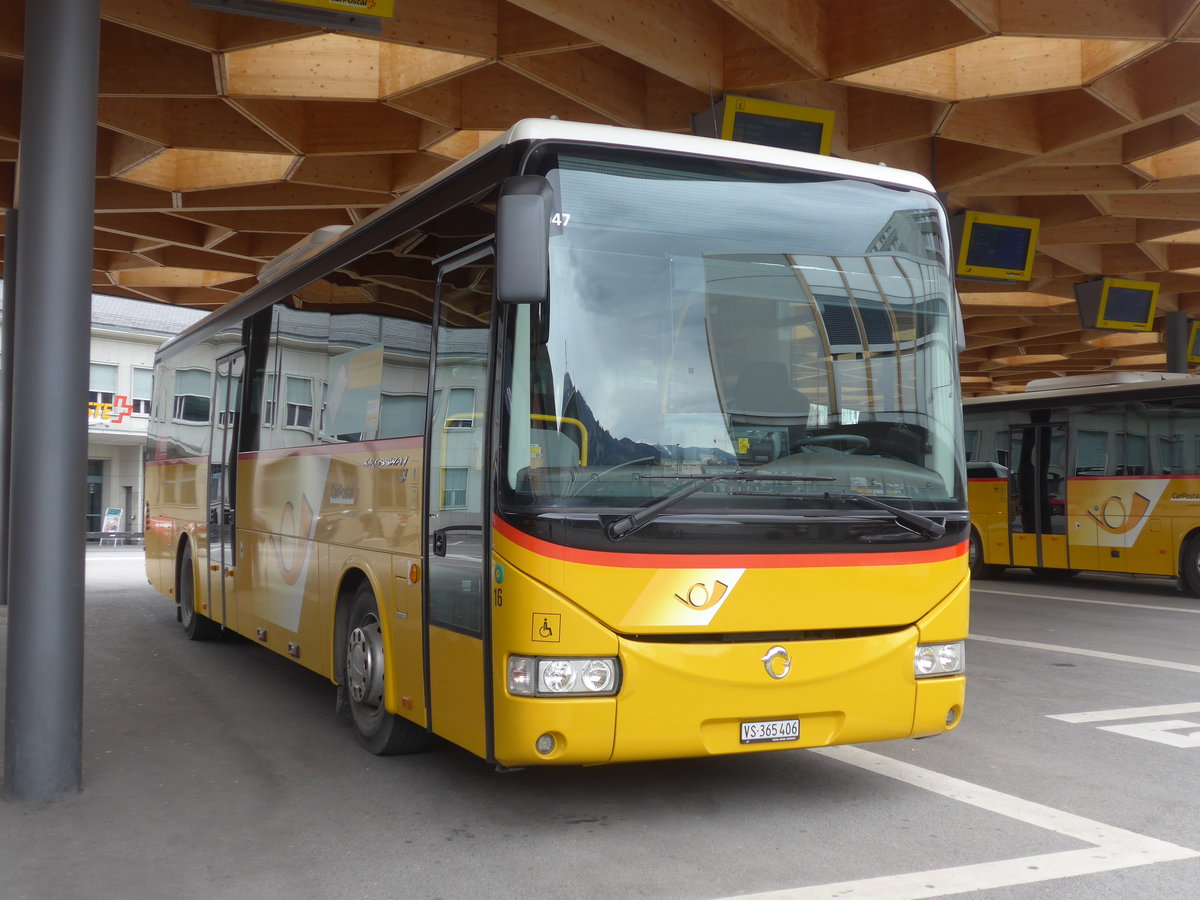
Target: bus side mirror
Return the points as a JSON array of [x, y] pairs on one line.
[[523, 239]]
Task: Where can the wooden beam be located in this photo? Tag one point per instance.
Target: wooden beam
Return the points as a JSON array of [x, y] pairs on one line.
[[752, 62], [191, 258], [1006, 124], [795, 28], [284, 122], [1067, 18], [1159, 84], [178, 22], [200, 124], [521, 33], [1155, 206], [162, 227], [440, 103], [959, 164], [495, 97], [678, 38], [1101, 230], [295, 221], [865, 34], [459, 26], [279, 196], [138, 64], [1073, 118], [599, 79], [338, 129], [1060, 180], [116, 153], [120, 196], [877, 118], [368, 173]]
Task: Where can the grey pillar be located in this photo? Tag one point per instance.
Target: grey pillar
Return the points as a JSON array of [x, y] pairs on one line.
[[6, 361], [48, 460], [1176, 337]]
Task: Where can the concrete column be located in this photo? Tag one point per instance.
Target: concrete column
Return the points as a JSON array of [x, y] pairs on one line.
[[48, 461], [1176, 338], [6, 362]]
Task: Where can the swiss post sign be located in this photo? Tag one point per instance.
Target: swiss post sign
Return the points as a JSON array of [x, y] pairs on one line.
[[114, 412], [379, 9]]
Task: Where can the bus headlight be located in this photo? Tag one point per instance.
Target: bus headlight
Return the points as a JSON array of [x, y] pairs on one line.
[[932, 660], [534, 676]]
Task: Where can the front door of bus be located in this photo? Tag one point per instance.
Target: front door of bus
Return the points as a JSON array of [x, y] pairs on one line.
[[456, 583], [1037, 514], [222, 488]]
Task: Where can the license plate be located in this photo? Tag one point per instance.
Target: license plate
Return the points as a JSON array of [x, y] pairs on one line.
[[770, 732]]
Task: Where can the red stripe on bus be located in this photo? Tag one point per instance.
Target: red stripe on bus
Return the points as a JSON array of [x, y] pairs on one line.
[[723, 561]]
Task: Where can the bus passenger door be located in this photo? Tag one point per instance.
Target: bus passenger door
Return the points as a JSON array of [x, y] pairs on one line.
[[456, 584], [1037, 514], [222, 488]]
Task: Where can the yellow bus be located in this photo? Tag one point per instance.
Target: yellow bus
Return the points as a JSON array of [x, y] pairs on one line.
[[602, 445], [1093, 473]]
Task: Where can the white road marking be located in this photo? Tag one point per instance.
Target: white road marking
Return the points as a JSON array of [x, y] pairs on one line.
[[1161, 732], [1111, 848], [1178, 609], [1128, 712], [1098, 654]]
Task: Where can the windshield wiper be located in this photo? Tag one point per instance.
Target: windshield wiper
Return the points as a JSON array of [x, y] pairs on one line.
[[923, 526], [626, 525]]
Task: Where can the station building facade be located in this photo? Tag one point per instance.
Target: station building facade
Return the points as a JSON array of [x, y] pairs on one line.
[[125, 336]]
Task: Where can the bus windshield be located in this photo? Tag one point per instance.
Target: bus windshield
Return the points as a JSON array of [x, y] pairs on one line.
[[709, 317]]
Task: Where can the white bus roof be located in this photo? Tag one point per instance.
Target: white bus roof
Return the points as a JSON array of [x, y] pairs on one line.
[[616, 136]]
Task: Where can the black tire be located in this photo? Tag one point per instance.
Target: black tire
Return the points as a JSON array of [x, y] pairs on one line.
[[381, 732], [1054, 574], [979, 569], [1189, 564], [195, 626]]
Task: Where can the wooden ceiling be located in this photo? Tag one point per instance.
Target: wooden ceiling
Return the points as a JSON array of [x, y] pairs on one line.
[[223, 138]]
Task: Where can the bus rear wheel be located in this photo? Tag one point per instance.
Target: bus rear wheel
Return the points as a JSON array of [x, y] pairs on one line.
[[1189, 564], [381, 732], [195, 626]]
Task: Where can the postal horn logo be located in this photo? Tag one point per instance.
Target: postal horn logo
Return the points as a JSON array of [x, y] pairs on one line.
[[1113, 517]]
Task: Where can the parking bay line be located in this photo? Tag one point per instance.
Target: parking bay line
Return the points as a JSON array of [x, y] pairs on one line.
[[1144, 606], [1098, 654], [1111, 848]]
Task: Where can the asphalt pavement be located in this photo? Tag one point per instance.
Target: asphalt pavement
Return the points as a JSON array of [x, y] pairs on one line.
[[220, 771]]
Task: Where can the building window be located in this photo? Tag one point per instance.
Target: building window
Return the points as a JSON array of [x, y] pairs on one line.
[[102, 384], [460, 408], [192, 399], [269, 399], [454, 488], [401, 415], [299, 411], [141, 391]]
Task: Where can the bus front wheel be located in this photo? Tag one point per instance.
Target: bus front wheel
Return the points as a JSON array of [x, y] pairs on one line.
[[381, 732], [1189, 564], [195, 626]]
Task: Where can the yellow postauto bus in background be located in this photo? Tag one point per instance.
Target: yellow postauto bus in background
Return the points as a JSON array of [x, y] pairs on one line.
[[1095, 472], [603, 445]]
